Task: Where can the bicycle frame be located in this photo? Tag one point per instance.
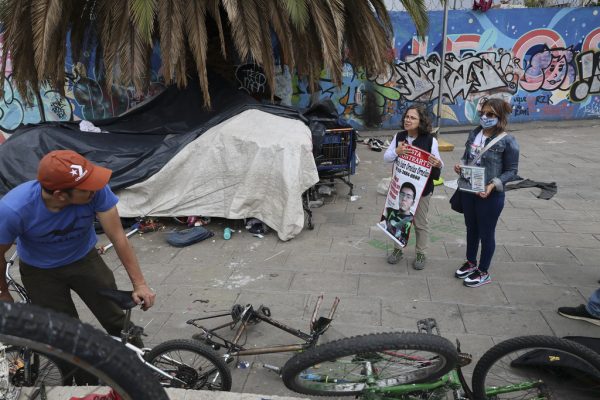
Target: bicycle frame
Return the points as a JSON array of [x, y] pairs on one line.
[[249, 315], [124, 335]]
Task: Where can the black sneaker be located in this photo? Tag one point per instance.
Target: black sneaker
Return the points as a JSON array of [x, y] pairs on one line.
[[579, 312], [477, 278], [465, 270]]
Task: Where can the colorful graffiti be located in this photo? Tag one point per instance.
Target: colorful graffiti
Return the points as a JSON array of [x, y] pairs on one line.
[[545, 62], [85, 98]]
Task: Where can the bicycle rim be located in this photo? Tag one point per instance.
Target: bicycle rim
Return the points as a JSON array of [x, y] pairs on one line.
[[191, 366], [526, 368], [350, 366], [32, 369], [80, 345]]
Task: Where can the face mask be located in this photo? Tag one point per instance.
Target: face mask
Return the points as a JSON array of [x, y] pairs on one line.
[[487, 122]]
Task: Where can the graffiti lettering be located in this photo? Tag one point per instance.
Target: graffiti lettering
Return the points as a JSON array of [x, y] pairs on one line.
[[251, 78], [472, 74], [588, 64], [543, 99]]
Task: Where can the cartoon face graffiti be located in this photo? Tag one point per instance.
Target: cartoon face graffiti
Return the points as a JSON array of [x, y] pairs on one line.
[[555, 73], [550, 70]]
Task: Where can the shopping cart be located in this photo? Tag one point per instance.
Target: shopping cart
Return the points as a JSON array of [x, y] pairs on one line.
[[335, 159]]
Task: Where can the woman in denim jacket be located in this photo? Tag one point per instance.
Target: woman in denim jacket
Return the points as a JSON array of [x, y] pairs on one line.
[[482, 210]]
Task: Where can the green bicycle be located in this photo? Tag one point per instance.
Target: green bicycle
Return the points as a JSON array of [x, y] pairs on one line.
[[410, 366]]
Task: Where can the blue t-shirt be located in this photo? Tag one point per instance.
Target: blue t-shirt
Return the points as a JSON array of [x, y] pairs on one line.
[[48, 239]]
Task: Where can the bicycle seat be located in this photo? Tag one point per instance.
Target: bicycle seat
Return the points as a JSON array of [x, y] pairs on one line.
[[122, 298]]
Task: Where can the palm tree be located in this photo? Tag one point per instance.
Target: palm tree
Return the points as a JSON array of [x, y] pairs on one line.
[[310, 35]]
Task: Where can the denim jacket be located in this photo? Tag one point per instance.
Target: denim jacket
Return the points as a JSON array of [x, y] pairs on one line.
[[501, 161]]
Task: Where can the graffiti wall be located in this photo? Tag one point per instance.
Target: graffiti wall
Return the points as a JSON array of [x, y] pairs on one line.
[[85, 97], [545, 62]]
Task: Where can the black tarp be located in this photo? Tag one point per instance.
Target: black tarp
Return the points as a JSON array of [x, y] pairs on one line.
[[136, 144]]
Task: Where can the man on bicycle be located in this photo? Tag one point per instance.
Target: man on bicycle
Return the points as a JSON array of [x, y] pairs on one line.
[[52, 221]]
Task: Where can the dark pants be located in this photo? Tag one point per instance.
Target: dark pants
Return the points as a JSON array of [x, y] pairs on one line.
[[51, 288], [481, 217]]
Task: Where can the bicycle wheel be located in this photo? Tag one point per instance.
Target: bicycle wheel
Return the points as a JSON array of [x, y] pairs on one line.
[[537, 364], [57, 335], [191, 364], [29, 368], [347, 366]]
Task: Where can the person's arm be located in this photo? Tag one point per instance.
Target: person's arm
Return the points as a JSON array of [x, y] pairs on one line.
[[510, 164], [111, 224], [4, 293], [390, 153]]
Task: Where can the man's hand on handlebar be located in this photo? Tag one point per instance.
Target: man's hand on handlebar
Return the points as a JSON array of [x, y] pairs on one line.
[[143, 295]]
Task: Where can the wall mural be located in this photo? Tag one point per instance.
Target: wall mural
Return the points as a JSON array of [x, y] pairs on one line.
[[85, 97], [545, 62]]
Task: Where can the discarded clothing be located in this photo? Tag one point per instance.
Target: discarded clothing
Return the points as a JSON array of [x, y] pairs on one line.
[[548, 189], [256, 226], [189, 236]]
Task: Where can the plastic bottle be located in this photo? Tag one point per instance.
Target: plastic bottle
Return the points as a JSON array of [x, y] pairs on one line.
[[227, 234]]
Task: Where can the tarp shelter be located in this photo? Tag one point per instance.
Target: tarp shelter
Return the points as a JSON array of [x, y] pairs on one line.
[[171, 157]]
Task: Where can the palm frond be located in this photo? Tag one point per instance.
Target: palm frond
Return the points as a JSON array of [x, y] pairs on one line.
[[281, 25], [172, 44], [374, 54], [45, 21], [195, 29], [418, 12], [327, 33], [18, 40], [143, 13], [214, 10], [297, 11], [245, 26]]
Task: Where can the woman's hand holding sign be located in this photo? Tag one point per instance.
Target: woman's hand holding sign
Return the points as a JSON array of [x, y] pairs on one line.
[[435, 162]]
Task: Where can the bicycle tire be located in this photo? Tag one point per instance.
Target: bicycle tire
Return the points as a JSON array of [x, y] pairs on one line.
[[338, 368], [504, 354], [57, 335], [212, 374]]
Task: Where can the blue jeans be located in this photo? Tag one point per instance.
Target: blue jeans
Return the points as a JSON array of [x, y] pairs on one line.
[[593, 305], [481, 217]]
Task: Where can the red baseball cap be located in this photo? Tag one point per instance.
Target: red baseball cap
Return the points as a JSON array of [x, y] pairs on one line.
[[65, 169]]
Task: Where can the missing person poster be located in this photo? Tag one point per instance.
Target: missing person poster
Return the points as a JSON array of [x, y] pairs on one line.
[[409, 176], [472, 179]]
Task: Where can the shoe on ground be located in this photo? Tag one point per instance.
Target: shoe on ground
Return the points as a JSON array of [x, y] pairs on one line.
[[465, 270], [420, 261], [579, 312], [395, 257], [477, 278], [375, 146]]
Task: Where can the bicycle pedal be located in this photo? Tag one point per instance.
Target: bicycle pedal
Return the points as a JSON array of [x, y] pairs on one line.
[[427, 325]]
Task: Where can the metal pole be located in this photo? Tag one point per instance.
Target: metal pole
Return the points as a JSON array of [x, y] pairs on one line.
[[442, 65]]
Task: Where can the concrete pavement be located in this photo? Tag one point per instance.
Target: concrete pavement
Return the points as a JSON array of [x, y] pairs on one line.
[[547, 256]]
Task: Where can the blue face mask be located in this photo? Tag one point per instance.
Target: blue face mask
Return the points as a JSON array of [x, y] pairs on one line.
[[487, 122]]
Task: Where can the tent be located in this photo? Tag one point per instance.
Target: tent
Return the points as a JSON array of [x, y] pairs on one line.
[[171, 157]]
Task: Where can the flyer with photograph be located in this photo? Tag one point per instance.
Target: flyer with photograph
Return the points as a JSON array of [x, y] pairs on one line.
[[409, 176], [472, 179]]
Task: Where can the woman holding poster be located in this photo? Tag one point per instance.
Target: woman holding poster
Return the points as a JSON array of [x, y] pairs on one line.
[[497, 154], [416, 134]]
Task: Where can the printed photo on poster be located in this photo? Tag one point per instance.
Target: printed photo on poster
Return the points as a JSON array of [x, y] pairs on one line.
[[472, 179], [409, 176]]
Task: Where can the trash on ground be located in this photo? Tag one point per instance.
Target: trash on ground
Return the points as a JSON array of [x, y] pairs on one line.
[[354, 198]]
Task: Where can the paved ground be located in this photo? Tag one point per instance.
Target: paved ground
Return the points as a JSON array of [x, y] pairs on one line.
[[546, 257]]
